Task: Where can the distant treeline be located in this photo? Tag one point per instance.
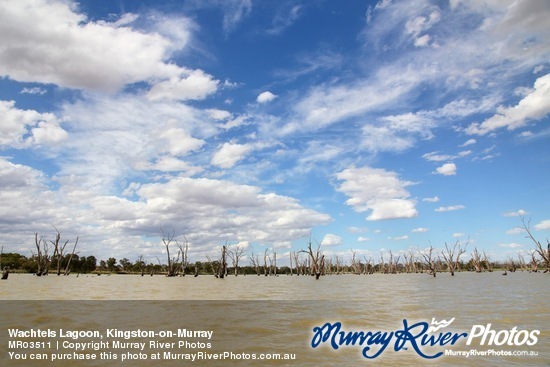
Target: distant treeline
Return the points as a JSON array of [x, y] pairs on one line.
[[89, 264]]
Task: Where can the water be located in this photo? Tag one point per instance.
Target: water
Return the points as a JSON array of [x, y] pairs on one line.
[[277, 314]]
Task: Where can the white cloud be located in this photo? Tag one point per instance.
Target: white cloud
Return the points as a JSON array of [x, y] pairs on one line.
[[448, 169], [331, 240], [188, 86], [265, 97], [400, 238], [510, 245], [436, 157], [172, 164], [207, 209], [396, 132], [285, 19], [377, 190], [229, 154], [517, 213], [325, 105], [44, 40], [420, 230], [116, 137], [450, 208], [515, 230], [542, 226], [34, 90], [435, 199], [458, 235], [534, 106], [28, 128], [468, 142], [26, 202]]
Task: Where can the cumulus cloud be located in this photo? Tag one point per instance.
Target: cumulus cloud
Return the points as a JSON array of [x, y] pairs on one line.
[[331, 240], [188, 86], [213, 208], [229, 154], [265, 97], [534, 106], [420, 230], [28, 128], [116, 137], [44, 40], [378, 191], [448, 169], [25, 200]]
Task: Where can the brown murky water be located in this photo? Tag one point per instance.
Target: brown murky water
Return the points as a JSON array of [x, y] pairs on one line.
[[251, 314]]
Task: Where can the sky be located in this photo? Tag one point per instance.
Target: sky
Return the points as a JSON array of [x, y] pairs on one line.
[[363, 126]]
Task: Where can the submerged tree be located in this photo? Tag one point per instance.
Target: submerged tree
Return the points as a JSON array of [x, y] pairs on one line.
[[167, 239], [449, 256], [235, 253], [429, 260], [543, 253], [316, 260]]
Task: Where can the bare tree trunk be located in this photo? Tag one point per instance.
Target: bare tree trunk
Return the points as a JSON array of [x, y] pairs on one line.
[[544, 253], [67, 268], [429, 260], [317, 260], [476, 261], [235, 254], [183, 248]]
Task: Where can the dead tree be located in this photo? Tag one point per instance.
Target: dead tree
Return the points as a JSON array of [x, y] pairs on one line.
[[59, 249], [544, 253], [274, 262], [167, 239], [429, 260], [355, 264], [265, 263], [141, 265], [222, 269], [369, 265], [317, 260], [487, 262], [298, 264], [521, 262], [213, 268], [255, 263], [511, 265], [235, 253], [290, 262], [67, 268], [183, 248], [42, 256], [534, 262], [476, 261], [449, 256], [410, 262]]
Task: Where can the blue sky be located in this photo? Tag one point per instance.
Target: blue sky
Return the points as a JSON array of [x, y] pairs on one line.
[[372, 126]]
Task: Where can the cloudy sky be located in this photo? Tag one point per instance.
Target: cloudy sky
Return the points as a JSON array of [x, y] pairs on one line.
[[368, 125]]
